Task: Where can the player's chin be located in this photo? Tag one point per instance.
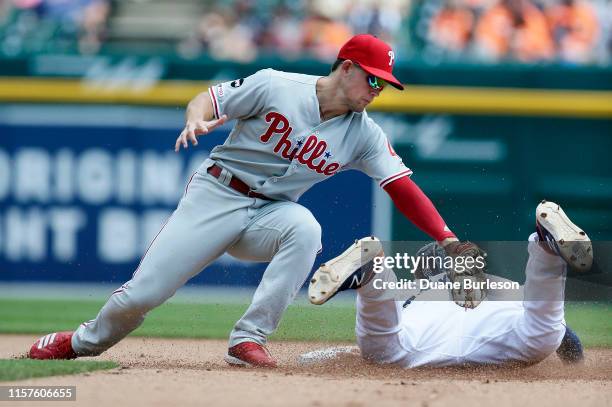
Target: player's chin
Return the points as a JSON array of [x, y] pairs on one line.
[[360, 107]]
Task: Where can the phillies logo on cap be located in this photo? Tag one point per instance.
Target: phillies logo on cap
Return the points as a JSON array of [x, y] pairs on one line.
[[373, 55]]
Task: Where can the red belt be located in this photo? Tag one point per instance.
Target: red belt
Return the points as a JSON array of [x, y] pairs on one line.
[[237, 184]]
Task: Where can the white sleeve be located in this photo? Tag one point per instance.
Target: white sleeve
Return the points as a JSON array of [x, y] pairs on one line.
[[379, 161], [241, 98]]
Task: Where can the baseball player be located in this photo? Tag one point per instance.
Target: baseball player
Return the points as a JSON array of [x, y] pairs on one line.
[[292, 131], [426, 332]]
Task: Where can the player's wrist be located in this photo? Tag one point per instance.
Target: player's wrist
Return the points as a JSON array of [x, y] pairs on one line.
[[446, 241]]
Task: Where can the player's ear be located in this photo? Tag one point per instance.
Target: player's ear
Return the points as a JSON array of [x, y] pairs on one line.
[[346, 66]]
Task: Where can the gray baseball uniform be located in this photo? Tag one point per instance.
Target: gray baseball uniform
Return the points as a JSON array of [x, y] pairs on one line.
[[280, 148]]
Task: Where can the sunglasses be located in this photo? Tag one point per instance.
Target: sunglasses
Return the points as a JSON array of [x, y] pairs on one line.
[[373, 81], [376, 83]]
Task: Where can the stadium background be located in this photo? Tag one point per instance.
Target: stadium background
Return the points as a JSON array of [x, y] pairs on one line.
[[92, 95], [507, 102]]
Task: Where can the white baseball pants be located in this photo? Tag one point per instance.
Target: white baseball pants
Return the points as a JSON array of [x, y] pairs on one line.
[[440, 333]]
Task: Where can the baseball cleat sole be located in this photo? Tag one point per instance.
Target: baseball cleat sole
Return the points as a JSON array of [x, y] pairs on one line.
[[573, 244], [236, 362], [331, 275]]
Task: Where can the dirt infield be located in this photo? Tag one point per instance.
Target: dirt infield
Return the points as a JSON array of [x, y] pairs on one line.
[[192, 372]]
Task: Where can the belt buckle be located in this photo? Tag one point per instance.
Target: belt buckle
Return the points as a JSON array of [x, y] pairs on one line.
[[225, 177]]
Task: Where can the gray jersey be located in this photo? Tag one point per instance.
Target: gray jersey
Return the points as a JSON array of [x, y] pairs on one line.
[[280, 147]]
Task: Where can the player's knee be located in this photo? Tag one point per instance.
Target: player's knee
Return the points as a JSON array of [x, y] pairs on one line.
[[306, 231], [553, 339], [310, 235], [544, 341], [311, 229]]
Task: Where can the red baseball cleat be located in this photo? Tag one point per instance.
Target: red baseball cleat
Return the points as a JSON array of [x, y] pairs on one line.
[[53, 346], [249, 354]]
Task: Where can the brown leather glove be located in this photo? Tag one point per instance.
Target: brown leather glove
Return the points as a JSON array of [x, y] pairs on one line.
[[469, 263]]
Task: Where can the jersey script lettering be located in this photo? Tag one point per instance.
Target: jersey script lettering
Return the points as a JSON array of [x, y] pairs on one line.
[[312, 149]]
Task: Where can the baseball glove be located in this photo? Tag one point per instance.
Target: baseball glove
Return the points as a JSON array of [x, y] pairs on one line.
[[468, 268], [459, 269]]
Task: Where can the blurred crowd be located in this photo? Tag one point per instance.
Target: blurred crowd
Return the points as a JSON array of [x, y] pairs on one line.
[[571, 31], [241, 29], [52, 25]]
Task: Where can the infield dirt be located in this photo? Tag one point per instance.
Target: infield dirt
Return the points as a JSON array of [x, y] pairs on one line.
[[162, 372]]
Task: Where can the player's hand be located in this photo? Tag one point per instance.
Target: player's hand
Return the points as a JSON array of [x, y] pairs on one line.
[[196, 128], [464, 269], [466, 249]]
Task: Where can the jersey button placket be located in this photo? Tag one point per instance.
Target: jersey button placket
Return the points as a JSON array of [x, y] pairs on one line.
[[290, 170]]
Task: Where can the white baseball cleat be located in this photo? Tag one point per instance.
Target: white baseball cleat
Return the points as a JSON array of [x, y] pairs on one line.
[[351, 270], [563, 236]]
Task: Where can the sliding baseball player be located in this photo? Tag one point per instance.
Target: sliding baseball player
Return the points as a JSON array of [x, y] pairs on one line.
[[470, 327]]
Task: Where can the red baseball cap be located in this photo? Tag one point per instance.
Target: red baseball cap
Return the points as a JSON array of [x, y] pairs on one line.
[[373, 55]]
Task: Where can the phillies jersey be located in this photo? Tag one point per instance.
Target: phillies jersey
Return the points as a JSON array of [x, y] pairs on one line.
[[280, 147]]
